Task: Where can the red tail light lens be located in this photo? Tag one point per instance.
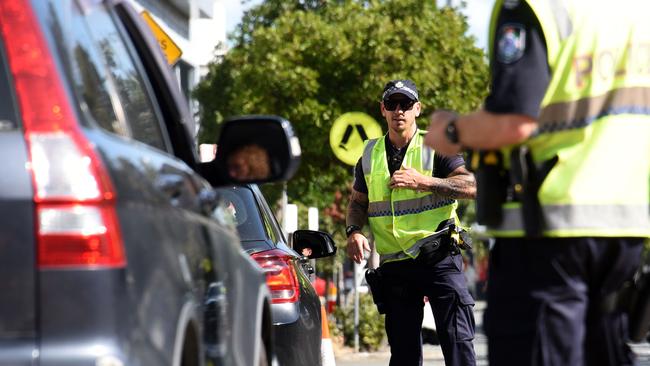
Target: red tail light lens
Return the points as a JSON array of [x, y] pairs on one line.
[[75, 201], [281, 277], [72, 234]]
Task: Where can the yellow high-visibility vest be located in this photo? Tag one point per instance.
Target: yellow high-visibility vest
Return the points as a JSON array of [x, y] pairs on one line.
[[400, 218], [595, 118]]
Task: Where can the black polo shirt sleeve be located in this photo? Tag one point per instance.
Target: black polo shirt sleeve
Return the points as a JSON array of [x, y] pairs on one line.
[[442, 166], [519, 65], [359, 184]]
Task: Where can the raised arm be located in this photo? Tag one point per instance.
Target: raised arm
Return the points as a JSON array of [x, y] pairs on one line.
[[459, 184]]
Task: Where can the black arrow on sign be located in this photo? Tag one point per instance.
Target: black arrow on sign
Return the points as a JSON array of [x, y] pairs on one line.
[[346, 137], [348, 133], [362, 132]]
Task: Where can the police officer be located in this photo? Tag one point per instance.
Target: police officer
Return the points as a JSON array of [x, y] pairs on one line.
[[407, 193], [565, 151]]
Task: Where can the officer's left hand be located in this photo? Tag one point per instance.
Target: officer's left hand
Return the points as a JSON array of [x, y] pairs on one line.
[[406, 178]]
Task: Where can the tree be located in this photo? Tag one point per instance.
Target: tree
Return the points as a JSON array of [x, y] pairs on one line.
[[311, 61]]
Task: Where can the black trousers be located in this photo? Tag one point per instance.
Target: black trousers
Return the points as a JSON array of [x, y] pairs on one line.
[[445, 285], [545, 298]]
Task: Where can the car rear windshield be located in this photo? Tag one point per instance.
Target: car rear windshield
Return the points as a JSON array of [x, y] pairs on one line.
[[106, 78], [241, 203], [7, 107]]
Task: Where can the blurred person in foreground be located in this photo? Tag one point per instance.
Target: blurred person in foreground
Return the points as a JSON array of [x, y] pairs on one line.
[[561, 152], [407, 194]]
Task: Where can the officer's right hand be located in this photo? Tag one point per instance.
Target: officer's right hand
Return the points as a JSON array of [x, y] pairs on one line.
[[357, 244]]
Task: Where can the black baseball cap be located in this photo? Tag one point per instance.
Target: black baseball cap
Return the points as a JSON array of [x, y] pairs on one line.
[[406, 87]]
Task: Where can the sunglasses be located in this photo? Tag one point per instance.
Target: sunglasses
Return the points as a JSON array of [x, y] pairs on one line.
[[404, 104]]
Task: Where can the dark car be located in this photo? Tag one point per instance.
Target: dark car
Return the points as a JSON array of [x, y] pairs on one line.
[[296, 307], [114, 249]]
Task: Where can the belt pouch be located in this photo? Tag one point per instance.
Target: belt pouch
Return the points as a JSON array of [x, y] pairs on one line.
[[491, 188], [434, 250], [527, 179], [377, 289], [639, 308]]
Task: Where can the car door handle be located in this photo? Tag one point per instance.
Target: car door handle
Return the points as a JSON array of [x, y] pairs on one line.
[[170, 184]]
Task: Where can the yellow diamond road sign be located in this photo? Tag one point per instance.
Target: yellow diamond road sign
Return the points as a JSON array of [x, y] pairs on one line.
[[348, 134], [170, 49]]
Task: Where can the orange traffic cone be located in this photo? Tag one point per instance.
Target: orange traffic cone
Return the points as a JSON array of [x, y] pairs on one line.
[[331, 298], [326, 348]]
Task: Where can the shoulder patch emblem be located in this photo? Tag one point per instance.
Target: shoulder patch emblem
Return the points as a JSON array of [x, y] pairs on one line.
[[511, 43]]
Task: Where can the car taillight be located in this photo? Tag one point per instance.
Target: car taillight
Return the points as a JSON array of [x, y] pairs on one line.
[[76, 222], [281, 277]]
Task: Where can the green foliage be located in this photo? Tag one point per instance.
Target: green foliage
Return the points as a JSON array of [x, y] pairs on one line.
[[371, 324], [311, 61]]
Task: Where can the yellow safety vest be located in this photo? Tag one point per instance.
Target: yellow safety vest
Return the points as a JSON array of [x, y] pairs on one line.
[[595, 118], [400, 218]]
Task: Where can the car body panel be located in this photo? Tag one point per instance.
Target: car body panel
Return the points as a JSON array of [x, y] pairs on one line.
[[18, 318], [297, 325], [176, 251]]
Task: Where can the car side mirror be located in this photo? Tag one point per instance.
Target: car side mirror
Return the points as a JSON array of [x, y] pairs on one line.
[[313, 244], [254, 149]]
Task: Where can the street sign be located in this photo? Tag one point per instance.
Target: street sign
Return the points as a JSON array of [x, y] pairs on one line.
[[348, 134], [170, 49]]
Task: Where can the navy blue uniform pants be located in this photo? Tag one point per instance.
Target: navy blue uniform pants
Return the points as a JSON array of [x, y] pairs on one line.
[[445, 285], [545, 301]]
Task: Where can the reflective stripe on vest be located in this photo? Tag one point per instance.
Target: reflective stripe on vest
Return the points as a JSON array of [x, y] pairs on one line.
[[595, 118], [582, 113], [580, 220], [400, 218]]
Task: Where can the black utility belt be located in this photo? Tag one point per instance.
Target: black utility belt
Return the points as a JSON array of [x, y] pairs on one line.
[[520, 183], [435, 248]]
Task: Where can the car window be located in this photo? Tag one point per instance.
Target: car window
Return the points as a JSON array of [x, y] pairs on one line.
[[268, 226], [80, 61], [241, 204], [270, 221], [139, 112], [90, 80], [7, 107], [105, 76]]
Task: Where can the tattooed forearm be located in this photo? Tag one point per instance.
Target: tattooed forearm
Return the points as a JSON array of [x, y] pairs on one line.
[[454, 188], [357, 213], [460, 184]]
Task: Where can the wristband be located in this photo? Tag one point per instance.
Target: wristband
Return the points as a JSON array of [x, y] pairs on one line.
[[351, 229], [451, 131]]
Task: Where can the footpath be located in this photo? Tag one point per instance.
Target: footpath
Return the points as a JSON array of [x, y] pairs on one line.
[[432, 354]]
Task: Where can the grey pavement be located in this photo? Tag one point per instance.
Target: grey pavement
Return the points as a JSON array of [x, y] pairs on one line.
[[432, 354]]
